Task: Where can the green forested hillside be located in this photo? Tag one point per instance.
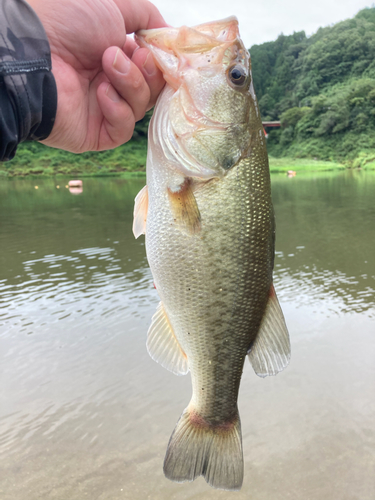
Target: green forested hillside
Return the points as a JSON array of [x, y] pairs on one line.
[[322, 88]]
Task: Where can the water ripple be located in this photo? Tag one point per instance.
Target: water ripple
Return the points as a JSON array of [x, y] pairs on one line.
[[72, 294], [313, 286]]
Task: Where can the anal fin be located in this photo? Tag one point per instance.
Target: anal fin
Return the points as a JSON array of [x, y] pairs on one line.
[[140, 212], [185, 208], [270, 352], [163, 346]]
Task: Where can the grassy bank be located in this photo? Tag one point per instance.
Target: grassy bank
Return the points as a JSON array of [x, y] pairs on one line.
[[38, 160], [282, 165], [34, 159]]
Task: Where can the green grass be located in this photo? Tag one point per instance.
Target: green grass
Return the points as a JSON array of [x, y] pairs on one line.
[[35, 160], [38, 160], [365, 160], [282, 165]]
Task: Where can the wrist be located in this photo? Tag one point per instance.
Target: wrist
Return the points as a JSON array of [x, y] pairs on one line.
[[28, 87]]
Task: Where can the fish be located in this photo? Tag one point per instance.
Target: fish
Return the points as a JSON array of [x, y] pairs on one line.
[[209, 227]]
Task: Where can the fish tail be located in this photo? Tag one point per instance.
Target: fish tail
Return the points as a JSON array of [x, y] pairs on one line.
[[197, 448]]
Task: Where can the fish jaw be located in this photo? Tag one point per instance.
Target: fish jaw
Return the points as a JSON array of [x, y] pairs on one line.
[[177, 49], [158, 42], [169, 129]]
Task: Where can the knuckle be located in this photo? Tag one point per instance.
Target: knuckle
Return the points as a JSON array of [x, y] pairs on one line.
[[140, 88], [138, 83]]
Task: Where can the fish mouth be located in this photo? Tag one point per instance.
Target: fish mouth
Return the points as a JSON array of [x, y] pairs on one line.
[[171, 47], [184, 38]]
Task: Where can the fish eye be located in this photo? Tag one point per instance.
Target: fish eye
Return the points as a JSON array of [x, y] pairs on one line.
[[237, 75]]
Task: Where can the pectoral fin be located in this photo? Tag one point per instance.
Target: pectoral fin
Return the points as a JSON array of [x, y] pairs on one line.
[[140, 212], [270, 352], [163, 346], [185, 208]]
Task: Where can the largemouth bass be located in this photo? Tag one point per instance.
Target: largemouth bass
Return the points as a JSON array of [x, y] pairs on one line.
[[209, 224]]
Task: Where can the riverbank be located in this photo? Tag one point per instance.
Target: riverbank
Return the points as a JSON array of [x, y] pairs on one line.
[[283, 165], [38, 160], [129, 160]]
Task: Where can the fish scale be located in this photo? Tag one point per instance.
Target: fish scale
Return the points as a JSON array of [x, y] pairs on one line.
[[210, 244]]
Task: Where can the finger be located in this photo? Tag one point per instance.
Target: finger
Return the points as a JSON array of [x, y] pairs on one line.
[[130, 46], [140, 14], [143, 59], [127, 79], [118, 124]]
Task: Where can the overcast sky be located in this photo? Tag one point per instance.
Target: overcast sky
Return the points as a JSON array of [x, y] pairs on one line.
[[264, 20]]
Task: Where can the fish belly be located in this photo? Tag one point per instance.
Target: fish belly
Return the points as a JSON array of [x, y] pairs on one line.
[[214, 284]]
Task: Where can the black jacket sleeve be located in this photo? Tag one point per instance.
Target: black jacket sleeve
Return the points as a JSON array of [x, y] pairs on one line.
[[28, 95]]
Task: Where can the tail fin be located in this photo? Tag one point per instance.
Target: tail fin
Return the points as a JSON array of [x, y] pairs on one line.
[[199, 449]]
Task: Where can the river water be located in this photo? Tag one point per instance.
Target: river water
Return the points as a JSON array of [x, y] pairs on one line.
[[86, 413]]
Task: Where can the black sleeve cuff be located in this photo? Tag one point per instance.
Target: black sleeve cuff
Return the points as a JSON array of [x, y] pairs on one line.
[[28, 94]]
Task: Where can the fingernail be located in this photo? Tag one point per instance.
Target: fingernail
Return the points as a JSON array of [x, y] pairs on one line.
[[149, 65], [112, 94], [121, 63]]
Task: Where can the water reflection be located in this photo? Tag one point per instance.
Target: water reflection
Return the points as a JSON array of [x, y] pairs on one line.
[[325, 239], [65, 258], [84, 410]]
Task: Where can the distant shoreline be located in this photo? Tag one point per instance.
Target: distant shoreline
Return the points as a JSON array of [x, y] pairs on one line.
[[129, 160], [277, 165]]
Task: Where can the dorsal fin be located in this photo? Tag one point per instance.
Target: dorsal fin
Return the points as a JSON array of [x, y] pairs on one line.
[[270, 352], [140, 212], [163, 346]]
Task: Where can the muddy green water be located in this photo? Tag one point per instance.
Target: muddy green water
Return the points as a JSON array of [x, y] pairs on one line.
[[84, 411]]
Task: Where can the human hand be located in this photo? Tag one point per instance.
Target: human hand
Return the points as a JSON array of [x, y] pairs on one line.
[[105, 83]]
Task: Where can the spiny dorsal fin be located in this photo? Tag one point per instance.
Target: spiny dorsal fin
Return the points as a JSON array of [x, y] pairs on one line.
[[184, 207], [140, 212], [163, 346], [270, 352]]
